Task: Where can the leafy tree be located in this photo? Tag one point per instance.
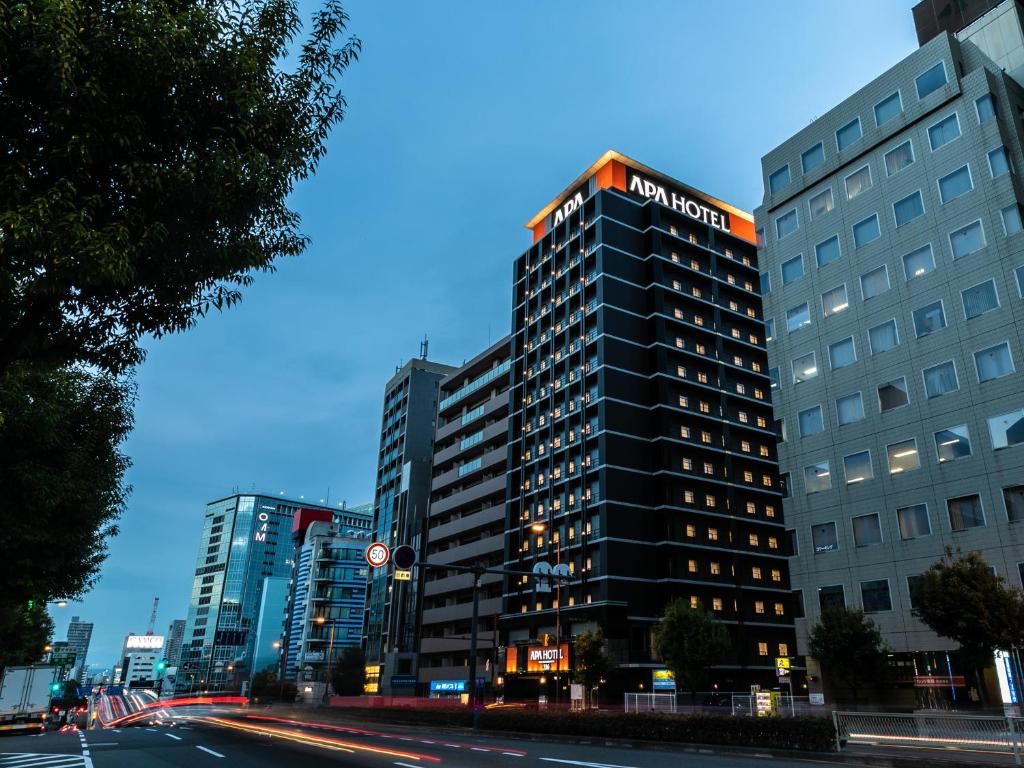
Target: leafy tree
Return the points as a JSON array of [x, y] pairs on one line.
[[849, 647], [689, 641], [348, 674], [267, 686], [960, 597], [24, 632], [62, 477], [592, 662], [148, 151]]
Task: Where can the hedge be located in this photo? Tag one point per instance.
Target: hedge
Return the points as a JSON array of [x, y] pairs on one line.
[[814, 734]]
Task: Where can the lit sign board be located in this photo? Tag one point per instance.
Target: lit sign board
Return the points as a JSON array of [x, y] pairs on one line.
[[145, 642], [447, 686], [684, 203], [262, 520], [544, 658], [664, 680], [572, 203]]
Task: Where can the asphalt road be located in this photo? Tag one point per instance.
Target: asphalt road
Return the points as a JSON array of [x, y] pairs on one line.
[[220, 739]]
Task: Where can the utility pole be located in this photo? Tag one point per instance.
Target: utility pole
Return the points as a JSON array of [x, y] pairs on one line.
[[472, 645]]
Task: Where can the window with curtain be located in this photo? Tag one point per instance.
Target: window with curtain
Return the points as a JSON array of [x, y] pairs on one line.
[[965, 512], [913, 521], [875, 596], [786, 224], [821, 203], [827, 251], [857, 182], [994, 362], [887, 109], [918, 262], [898, 158], [857, 468], [779, 179], [943, 132], [929, 319], [999, 162], [893, 394], [849, 409], [930, 80], [813, 157], [842, 353], [867, 530], [952, 443], [792, 269], [834, 300], [817, 477], [811, 421], [883, 337], [1013, 500], [908, 209], [967, 240], [848, 134], [903, 456], [824, 538], [804, 368], [1006, 429], [979, 299], [866, 231], [874, 282], [955, 184], [940, 379], [798, 317], [1011, 219]]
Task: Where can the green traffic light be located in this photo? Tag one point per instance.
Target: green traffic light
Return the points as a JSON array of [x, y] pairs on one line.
[[161, 665], [55, 687]]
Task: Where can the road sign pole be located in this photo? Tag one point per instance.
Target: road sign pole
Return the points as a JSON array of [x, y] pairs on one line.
[[472, 648]]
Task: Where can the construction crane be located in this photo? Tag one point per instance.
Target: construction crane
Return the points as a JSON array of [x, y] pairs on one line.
[[152, 616]]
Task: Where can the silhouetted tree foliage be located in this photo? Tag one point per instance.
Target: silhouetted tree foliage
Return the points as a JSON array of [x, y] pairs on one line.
[[849, 647], [348, 674], [689, 641], [24, 632]]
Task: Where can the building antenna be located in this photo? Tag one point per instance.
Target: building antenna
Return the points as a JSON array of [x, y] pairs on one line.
[[328, 499], [152, 616], [424, 346]]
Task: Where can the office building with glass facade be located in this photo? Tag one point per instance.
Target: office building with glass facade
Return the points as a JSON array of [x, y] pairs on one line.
[[892, 276]]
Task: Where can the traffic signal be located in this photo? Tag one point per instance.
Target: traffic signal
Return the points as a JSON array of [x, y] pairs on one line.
[[55, 687], [161, 665]]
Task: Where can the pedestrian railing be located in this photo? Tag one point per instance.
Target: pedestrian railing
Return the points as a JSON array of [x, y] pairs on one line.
[[991, 733], [650, 702]]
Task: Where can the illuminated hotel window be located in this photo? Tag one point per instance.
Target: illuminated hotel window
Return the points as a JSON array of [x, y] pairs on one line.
[[759, 606], [708, 468], [780, 610], [684, 432], [751, 508], [687, 465], [716, 569], [753, 540], [748, 476], [710, 501], [681, 371], [742, 415], [680, 343], [712, 534], [705, 407], [773, 542], [691, 530], [716, 603], [783, 649], [705, 436], [694, 602], [776, 575], [745, 446], [688, 497], [762, 649], [701, 349], [755, 572], [769, 510], [691, 566]]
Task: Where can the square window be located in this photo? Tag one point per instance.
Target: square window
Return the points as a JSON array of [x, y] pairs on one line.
[[913, 589], [811, 421], [842, 353], [893, 394], [857, 182], [994, 362], [827, 251], [773, 376], [857, 467], [887, 109], [766, 283], [918, 262], [908, 209], [999, 162], [955, 184], [779, 179], [817, 478], [813, 157], [875, 282], [929, 319], [903, 456], [834, 301], [831, 597], [804, 368], [931, 80], [967, 240], [986, 108], [898, 158], [824, 538], [1013, 500], [883, 337], [979, 299], [875, 596], [769, 329], [849, 409], [1006, 429], [913, 521], [940, 379], [792, 270], [866, 231], [1011, 219], [798, 317], [965, 512], [867, 530], [786, 224], [848, 134], [952, 443], [943, 132], [821, 203]]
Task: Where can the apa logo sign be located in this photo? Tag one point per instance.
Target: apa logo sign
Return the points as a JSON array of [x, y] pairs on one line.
[[568, 207], [687, 205]]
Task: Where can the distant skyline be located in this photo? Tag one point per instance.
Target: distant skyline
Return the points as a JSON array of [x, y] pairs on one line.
[[464, 120]]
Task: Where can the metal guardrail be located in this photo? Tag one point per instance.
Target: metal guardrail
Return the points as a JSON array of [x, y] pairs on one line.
[[987, 733], [650, 702]]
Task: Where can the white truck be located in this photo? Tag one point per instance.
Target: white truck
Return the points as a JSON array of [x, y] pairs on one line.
[[25, 697]]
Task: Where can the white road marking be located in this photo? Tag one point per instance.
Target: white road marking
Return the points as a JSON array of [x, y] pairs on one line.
[[151, 729], [172, 736], [587, 765], [210, 751], [406, 765], [514, 754], [104, 744], [454, 746], [479, 749], [43, 760]]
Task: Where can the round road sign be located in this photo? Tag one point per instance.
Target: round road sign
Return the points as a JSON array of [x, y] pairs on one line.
[[404, 557], [377, 554]]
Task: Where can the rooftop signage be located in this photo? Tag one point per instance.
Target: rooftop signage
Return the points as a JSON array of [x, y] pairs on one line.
[[686, 204]]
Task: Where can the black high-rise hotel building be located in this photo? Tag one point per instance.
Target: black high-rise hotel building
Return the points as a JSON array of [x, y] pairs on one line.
[[641, 450]]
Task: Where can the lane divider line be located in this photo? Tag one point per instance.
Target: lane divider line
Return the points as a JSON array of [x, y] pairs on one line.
[[210, 751], [172, 736]]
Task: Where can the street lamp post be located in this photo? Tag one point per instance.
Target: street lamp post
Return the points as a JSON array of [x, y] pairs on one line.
[[330, 653]]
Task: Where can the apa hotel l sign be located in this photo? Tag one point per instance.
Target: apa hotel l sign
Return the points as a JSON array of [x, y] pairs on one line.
[[695, 209]]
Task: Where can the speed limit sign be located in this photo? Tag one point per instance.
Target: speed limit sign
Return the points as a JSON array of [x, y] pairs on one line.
[[377, 554]]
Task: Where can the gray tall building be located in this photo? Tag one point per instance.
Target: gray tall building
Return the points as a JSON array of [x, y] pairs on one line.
[[172, 649], [893, 252], [466, 522], [79, 636], [399, 517]]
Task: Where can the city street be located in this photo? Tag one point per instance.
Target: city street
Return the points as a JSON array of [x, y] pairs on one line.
[[237, 739]]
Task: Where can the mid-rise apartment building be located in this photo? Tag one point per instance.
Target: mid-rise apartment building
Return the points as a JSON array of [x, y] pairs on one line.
[[466, 520], [175, 635], [400, 504], [641, 452], [892, 273]]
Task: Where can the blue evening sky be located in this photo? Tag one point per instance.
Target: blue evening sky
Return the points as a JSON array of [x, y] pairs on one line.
[[465, 118]]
